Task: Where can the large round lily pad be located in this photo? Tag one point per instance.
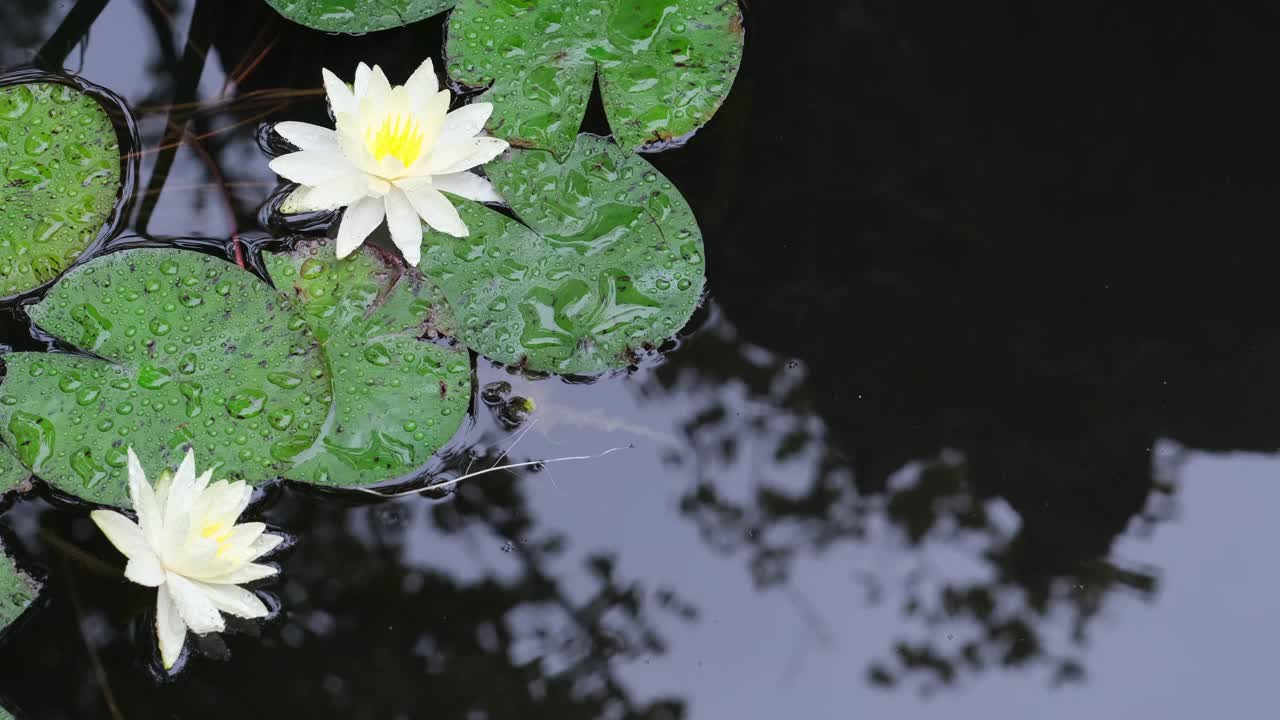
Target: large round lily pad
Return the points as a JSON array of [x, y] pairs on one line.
[[190, 350], [398, 398], [358, 16], [60, 168], [608, 262], [664, 67]]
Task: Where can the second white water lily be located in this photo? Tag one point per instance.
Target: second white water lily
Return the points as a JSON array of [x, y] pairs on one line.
[[187, 544], [393, 154]]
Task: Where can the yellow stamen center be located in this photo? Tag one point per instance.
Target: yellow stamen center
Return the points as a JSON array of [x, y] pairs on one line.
[[220, 534], [399, 136]]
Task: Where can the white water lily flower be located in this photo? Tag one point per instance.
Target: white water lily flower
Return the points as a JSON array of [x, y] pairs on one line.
[[187, 544], [394, 151]]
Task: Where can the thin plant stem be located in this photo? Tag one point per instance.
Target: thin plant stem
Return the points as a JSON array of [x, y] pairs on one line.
[[450, 483]]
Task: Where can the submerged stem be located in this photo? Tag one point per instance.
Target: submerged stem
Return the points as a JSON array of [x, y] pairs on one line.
[[187, 83], [74, 27]]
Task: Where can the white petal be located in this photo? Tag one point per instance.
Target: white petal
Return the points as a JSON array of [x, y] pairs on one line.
[[136, 472], [239, 493], [467, 185], [246, 495], [199, 559], [360, 219], [465, 123], [326, 196], [187, 468], [351, 140], [145, 571], [264, 544], [361, 84], [312, 167], [434, 112], [379, 87], [222, 502], [243, 574], [340, 97], [391, 167], [170, 629], [406, 228], [436, 210], [183, 493], [423, 81], [233, 600], [306, 136], [143, 566], [447, 159], [150, 514], [202, 481], [174, 544], [162, 488], [243, 536], [195, 607]]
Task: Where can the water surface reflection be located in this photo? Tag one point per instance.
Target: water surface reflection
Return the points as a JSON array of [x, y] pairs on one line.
[[951, 439]]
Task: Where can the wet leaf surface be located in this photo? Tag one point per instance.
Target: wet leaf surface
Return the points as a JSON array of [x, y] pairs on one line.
[[60, 162], [398, 399], [189, 349], [664, 67], [17, 592], [610, 262], [12, 473], [358, 16]]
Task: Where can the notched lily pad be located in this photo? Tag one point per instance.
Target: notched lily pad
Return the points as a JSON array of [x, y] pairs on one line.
[[398, 398], [60, 167], [665, 67], [187, 350], [358, 16], [610, 262]]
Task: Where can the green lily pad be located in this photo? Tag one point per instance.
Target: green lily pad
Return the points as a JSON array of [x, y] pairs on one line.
[[358, 16], [17, 591], [12, 474], [397, 398], [190, 350], [664, 67], [610, 262], [60, 168]]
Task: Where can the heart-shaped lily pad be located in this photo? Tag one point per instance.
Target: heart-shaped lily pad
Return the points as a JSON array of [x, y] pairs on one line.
[[187, 350], [664, 67], [60, 163], [398, 398], [358, 16], [610, 262]]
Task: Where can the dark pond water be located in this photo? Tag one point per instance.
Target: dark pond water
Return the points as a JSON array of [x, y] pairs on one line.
[[980, 418]]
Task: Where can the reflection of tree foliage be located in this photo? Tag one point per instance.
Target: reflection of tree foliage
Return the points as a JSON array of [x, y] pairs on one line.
[[814, 490], [375, 631], [24, 26]]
